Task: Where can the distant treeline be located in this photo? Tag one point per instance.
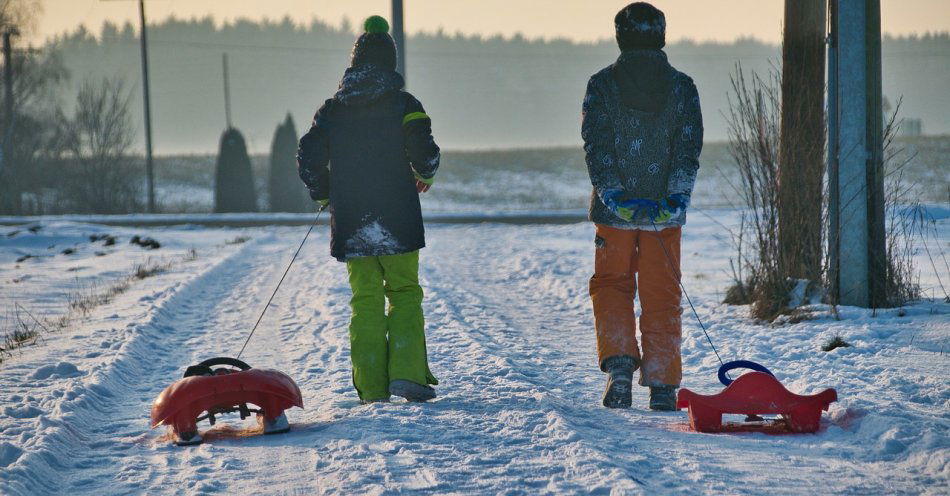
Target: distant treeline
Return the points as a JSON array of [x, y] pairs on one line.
[[482, 92]]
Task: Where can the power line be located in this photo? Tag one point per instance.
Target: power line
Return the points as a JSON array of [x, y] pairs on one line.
[[477, 52]]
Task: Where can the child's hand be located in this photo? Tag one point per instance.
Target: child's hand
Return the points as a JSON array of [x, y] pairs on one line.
[[423, 184]]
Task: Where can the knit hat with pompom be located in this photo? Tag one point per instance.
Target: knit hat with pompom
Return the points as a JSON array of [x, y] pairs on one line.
[[375, 46], [640, 25]]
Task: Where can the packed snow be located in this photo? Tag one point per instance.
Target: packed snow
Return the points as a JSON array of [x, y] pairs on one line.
[[510, 337]]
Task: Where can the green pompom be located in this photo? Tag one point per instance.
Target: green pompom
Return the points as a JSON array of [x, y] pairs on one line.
[[376, 24]]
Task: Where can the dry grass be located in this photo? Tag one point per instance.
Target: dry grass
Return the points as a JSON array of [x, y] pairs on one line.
[[25, 328], [238, 240], [149, 269], [753, 120], [25, 331], [835, 342], [905, 220]]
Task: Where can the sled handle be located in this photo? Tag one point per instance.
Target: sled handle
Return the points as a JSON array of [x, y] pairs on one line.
[[204, 368], [740, 364]]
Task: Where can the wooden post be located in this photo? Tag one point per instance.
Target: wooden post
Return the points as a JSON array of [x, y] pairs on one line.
[[10, 191], [149, 163], [877, 244], [801, 163], [227, 90], [400, 38]]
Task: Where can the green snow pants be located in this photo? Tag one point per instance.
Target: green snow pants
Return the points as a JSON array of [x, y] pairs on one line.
[[385, 347]]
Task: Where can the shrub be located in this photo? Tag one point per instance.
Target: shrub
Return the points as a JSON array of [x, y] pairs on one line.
[[285, 190], [97, 173], [234, 179]]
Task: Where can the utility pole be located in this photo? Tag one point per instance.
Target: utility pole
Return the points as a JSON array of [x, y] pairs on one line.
[[802, 139], [399, 37], [227, 90], [12, 193], [149, 163], [856, 180]]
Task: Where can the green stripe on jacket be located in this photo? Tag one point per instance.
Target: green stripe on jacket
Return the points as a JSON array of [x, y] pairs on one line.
[[413, 116]]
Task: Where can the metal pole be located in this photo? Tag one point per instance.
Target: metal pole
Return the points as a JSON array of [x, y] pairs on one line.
[[149, 164], [227, 90], [399, 37], [856, 150]]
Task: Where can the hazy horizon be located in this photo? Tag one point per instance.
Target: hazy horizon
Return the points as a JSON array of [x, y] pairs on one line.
[[575, 20]]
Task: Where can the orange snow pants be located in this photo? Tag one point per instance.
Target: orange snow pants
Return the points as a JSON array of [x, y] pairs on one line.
[[626, 259]]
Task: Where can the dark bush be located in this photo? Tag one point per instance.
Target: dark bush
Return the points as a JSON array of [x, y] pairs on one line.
[[233, 178], [285, 190]]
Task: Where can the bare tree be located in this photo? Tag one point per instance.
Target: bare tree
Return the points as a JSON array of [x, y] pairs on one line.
[[21, 14], [96, 141]]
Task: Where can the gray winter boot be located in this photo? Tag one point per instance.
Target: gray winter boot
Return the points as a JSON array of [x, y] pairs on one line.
[[416, 393], [619, 391], [663, 398]]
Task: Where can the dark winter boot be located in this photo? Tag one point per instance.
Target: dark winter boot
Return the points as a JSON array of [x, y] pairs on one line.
[[416, 393], [619, 391], [663, 398]]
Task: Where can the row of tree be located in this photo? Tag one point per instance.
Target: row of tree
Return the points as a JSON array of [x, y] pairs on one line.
[[78, 158]]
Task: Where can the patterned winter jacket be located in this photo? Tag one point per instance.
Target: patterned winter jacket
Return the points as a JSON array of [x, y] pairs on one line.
[[361, 152], [643, 133]]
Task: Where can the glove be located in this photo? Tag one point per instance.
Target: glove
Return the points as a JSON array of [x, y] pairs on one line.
[[629, 208], [423, 184], [671, 207], [323, 203]]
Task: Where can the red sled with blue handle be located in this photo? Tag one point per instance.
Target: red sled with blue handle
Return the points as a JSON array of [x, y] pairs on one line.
[[228, 389], [753, 394]]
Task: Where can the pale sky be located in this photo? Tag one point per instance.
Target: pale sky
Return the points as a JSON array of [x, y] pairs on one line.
[[584, 20]]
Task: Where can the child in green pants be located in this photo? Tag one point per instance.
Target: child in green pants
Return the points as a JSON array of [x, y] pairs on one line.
[[368, 155]]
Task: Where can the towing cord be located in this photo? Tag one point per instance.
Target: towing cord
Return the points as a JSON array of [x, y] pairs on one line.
[[312, 225], [679, 279]]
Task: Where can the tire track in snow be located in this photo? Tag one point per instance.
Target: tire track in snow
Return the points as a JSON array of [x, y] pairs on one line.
[[683, 462], [98, 440]]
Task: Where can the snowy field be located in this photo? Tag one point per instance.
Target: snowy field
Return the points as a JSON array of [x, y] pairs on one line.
[[511, 340]]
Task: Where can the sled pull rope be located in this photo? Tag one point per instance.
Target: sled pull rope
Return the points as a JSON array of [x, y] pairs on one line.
[[679, 279], [291, 264]]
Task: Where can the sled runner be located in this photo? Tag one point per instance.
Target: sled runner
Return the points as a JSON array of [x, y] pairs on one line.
[[226, 389], [753, 394]]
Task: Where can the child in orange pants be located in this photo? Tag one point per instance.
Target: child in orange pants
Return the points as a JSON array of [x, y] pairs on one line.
[[624, 260], [643, 133]]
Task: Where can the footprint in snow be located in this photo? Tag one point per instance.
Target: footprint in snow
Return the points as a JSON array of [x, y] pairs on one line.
[[62, 370]]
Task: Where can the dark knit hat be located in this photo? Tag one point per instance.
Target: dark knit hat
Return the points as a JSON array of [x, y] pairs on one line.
[[640, 25], [375, 46]]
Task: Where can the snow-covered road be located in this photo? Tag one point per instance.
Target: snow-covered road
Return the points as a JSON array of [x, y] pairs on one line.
[[510, 339]]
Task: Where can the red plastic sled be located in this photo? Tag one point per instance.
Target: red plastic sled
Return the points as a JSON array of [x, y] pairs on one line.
[[225, 390], [755, 393]]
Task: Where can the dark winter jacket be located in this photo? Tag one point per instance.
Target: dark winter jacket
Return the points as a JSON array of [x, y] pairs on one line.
[[643, 133], [360, 153]]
